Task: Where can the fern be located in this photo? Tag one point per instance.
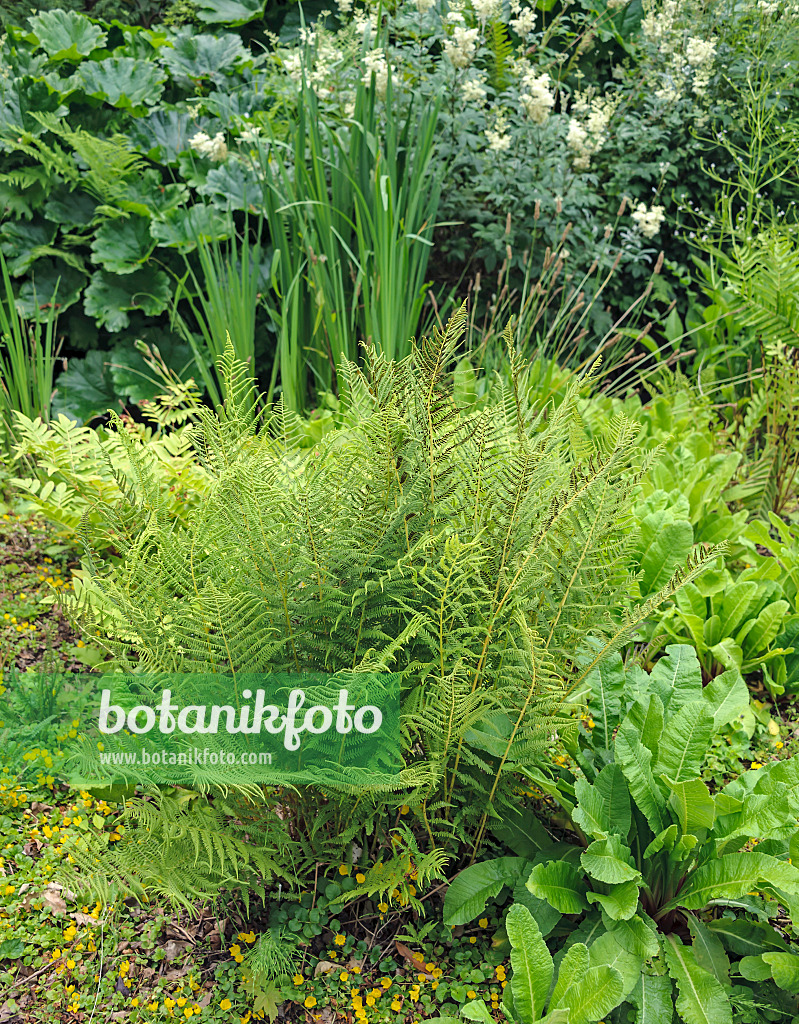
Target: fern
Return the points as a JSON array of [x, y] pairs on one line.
[[481, 555], [501, 54]]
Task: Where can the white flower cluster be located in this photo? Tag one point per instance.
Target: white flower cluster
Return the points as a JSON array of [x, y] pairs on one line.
[[700, 53], [658, 26], [214, 148], [498, 139], [473, 90], [585, 139], [615, 4], [376, 63], [486, 9], [423, 6], [767, 7], [462, 47], [536, 99], [649, 221]]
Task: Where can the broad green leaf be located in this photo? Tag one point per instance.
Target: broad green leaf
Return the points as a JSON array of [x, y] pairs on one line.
[[594, 995], [728, 653], [11, 949], [709, 950], [646, 714], [677, 678], [746, 937], [233, 186], [122, 81], [664, 543], [475, 1009], [229, 12], [572, 967], [70, 209], [612, 787], [664, 840], [531, 962], [122, 246], [654, 998], [701, 999], [734, 610], [689, 600], [23, 243], [48, 282], [556, 1017], [607, 692], [732, 876], [544, 915], [727, 697], [635, 760], [204, 55], [608, 860], [560, 884], [522, 832], [66, 35], [754, 968], [784, 970], [85, 389], [767, 626], [110, 297], [694, 805], [606, 951], [182, 228], [638, 935], [468, 894], [685, 742], [620, 903], [590, 813]]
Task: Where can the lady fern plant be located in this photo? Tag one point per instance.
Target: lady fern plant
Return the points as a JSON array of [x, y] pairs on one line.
[[481, 555]]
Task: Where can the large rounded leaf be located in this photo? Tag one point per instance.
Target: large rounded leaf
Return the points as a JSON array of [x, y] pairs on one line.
[[109, 298], [66, 35]]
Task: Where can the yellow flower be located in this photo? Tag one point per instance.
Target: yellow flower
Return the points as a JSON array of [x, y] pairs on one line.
[[340, 939], [404, 809], [310, 1001], [778, 744], [225, 1004], [247, 936], [755, 764], [382, 907], [235, 950], [472, 939], [343, 869], [370, 1000], [471, 994], [343, 976], [298, 979], [483, 922], [396, 1006], [361, 878], [386, 982], [70, 964]]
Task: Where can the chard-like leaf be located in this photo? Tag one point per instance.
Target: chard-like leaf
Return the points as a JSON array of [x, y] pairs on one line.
[[701, 999]]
